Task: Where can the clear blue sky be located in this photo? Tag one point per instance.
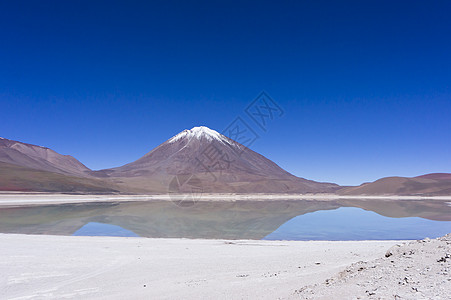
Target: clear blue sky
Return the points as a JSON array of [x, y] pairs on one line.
[[365, 85]]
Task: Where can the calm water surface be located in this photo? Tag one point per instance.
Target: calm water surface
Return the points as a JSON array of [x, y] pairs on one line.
[[272, 220]]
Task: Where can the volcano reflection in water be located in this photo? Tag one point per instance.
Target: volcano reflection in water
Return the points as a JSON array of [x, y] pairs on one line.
[[278, 219]]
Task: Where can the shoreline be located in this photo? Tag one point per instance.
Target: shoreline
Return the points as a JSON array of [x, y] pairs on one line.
[[115, 267], [19, 198]]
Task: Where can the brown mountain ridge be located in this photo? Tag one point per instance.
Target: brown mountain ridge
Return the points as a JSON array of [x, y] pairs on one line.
[[199, 159]]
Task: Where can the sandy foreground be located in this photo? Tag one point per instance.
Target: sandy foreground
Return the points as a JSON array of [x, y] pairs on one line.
[[57, 267], [414, 270], [66, 267]]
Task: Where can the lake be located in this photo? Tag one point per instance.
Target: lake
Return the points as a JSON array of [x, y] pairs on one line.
[[341, 219]]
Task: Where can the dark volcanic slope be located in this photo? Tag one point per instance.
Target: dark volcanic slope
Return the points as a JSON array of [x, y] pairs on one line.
[[18, 178], [26, 167], [219, 164], [40, 158], [430, 184]]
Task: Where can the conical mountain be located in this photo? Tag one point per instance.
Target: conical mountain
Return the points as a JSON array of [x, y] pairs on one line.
[[216, 162]]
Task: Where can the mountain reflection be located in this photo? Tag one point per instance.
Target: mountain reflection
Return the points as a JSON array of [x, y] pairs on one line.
[[205, 219]]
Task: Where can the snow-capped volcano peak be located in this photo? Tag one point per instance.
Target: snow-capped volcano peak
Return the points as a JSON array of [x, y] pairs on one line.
[[198, 133]]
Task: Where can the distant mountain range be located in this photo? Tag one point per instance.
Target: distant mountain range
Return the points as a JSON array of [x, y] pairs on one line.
[[437, 184], [197, 160]]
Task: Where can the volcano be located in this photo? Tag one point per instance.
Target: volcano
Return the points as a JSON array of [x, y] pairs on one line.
[[195, 161], [203, 159]]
